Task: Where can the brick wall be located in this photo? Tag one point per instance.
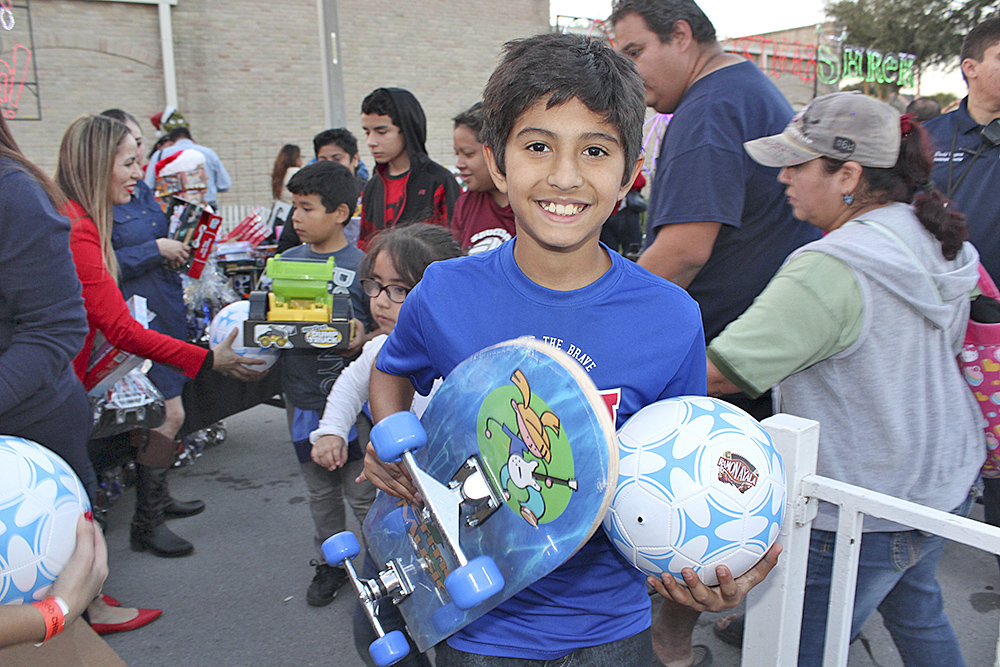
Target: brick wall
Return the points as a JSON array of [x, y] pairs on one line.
[[249, 75], [90, 56], [441, 50]]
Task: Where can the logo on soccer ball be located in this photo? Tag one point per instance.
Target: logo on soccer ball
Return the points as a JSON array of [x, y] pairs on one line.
[[736, 470]]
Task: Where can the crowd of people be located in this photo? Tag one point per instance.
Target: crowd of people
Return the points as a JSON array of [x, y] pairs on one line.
[[788, 262]]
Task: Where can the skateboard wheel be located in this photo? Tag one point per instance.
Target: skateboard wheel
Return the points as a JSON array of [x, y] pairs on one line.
[[389, 649], [447, 619], [474, 583], [340, 547], [398, 433]]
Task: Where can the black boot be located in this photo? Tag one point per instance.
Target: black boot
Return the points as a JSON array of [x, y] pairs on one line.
[[148, 528], [156, 449], [180, 509]]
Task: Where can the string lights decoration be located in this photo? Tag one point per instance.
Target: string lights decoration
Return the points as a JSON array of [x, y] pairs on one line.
[[19, 97], [6, 15]]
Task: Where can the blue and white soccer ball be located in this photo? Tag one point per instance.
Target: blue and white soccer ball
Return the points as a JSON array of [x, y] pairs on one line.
[[233, 316], [41, 500], [700, 485]]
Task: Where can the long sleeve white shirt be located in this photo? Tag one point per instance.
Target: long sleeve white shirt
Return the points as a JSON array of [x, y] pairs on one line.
[[350, 392]]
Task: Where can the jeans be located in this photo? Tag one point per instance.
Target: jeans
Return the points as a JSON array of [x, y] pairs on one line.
[[897, 575], [634, 650], [327, 491]]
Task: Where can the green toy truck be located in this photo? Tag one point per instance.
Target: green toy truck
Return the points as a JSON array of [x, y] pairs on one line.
[[303, 308]]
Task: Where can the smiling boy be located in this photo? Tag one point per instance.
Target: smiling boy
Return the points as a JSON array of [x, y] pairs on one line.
[[563, 128], [407, 185]]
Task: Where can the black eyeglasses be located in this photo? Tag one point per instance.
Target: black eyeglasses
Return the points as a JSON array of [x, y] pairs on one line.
[[372, 288]]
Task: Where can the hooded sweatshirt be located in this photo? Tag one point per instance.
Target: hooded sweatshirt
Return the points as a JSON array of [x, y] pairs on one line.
[[431, 190], [895, 414]]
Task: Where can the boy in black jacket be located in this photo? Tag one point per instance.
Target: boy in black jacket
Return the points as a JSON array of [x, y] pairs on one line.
[[407, 185]]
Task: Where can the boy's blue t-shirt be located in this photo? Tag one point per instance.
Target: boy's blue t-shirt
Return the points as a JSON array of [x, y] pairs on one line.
[[704, 175], [308, 375], [464, 305]]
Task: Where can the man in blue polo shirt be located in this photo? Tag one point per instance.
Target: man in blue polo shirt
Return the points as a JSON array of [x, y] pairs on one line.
[[967, 167], [967, 160]]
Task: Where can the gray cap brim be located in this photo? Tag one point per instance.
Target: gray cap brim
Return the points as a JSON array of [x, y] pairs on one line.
[[779, 151]]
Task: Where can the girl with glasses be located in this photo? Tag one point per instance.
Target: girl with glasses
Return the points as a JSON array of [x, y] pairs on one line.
[[394, 265]]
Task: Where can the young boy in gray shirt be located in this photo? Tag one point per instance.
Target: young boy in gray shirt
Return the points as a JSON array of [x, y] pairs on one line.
[[324, 195]]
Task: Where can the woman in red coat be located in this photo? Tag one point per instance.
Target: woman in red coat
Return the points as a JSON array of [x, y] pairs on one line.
[[98, 167]]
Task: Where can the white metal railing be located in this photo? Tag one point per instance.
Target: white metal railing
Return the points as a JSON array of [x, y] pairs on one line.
[[774, 607]]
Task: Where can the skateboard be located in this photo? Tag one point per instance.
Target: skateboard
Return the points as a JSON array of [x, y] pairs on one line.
[[515, 460]]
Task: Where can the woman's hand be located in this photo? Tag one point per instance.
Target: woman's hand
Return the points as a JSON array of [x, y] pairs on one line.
[[330, 452], [175, 252], [78, 584], [227, 362], [83, 576]]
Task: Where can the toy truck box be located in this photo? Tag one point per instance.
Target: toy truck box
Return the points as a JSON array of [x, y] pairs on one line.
[[195, 227], [308, 306]]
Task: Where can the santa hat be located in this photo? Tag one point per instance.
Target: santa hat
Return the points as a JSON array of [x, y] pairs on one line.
[[181, 161], [167, 119]]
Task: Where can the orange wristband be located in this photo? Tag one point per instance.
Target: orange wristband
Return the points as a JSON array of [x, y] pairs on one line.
[[54, 612]]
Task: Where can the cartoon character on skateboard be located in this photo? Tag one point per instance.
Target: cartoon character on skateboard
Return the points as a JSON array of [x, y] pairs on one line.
[[530, 454]]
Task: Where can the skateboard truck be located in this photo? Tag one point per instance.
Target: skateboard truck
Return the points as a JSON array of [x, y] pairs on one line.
[[396, 438], [479, 498], [473, 582], [391, 583]]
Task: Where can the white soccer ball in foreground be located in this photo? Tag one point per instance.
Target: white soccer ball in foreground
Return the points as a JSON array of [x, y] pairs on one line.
[[41, 500], [700, 485]]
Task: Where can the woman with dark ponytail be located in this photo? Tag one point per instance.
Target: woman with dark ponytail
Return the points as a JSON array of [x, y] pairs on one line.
[[909, 181], [860, 330]]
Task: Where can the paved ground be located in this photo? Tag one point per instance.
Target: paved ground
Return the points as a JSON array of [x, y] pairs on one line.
[[239, 600]]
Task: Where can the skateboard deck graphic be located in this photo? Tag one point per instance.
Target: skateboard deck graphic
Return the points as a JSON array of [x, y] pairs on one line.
[[527, 445]]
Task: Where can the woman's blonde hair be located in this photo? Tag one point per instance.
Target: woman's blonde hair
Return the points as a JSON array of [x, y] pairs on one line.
[[86, 160]]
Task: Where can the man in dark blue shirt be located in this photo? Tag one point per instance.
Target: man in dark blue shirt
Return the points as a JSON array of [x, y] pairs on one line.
[[967, 167], [718, 224], [967, 159]]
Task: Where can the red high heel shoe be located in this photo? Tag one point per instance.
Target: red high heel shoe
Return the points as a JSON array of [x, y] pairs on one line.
[[110, 601], [144, 616]]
